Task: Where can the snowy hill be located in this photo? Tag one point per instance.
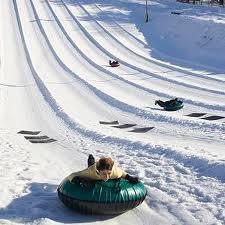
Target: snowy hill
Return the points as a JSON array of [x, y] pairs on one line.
[[55, 80]]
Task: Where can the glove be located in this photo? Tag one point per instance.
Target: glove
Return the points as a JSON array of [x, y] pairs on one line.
[[84, 182], [91, 160], [132, 180]]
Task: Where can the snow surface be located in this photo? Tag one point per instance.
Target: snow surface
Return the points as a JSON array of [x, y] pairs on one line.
[[55, 78]]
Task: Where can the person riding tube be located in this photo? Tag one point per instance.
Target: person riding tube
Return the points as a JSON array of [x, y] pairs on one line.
[[104, 169]]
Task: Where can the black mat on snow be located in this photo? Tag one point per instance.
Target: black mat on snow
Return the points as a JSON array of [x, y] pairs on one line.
[[29, 132], [141, 130], [213, 118], [126, 125], [36, 137], [109, 123], [196, 114], [37, 141]]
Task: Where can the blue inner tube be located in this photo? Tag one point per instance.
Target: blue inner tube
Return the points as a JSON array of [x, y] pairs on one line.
[[110, 197]]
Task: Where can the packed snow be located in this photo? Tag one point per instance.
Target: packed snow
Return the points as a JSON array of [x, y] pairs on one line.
[[55, 78]]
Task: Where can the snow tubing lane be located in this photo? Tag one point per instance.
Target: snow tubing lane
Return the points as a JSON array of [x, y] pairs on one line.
[[110, 197]]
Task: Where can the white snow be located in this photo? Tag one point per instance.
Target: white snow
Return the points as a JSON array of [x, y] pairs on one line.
[[55, 78]]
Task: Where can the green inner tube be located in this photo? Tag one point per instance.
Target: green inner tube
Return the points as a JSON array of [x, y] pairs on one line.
[[174, 107], [110, 197]]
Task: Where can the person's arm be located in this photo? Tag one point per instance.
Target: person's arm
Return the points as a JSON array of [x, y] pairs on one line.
[[82, 173], [122, 174], [84, 181], [84, 178], [131, 179], [117, 172]]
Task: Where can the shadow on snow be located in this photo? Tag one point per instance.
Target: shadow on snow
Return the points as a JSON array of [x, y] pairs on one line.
[[42, 202]]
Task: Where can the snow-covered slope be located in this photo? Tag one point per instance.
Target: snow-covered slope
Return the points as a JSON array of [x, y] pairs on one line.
[[55, 78]]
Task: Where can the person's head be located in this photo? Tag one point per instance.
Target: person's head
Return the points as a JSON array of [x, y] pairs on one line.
[[104, 167]]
